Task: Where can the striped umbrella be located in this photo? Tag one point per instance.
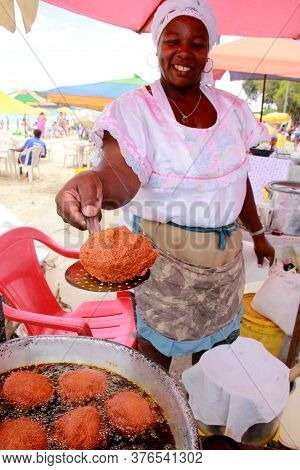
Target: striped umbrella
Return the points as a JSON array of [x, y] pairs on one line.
[[94, 95]]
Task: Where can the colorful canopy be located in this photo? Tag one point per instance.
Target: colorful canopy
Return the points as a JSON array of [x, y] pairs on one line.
[[25, 98], [264, 56], [9, 105], [94, 95], [31, 97], [260, 18]]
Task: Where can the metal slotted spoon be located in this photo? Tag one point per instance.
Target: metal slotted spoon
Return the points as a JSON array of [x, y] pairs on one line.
[[78, 277]]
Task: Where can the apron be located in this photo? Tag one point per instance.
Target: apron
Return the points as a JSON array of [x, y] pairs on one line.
[[195, 288]]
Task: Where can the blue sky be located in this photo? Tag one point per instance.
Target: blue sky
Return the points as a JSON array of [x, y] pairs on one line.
[[67, 49]]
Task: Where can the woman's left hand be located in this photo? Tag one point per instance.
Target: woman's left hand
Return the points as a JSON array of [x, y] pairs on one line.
[[263, 249]]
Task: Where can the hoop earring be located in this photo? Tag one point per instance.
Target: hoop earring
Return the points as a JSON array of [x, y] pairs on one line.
[[212, 66]]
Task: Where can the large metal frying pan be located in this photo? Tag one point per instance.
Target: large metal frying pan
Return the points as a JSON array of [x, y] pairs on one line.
[[117, 358]]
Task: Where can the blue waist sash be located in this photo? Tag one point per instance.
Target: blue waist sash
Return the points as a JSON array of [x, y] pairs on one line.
[[225, 231]]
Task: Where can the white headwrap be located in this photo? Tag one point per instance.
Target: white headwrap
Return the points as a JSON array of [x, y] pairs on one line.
[[199, 9]]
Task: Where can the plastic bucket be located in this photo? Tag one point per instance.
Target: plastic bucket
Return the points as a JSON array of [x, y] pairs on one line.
[[256, 326]]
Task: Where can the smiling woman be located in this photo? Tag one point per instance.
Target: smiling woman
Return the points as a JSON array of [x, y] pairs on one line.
[[183, 55], [175, 155]]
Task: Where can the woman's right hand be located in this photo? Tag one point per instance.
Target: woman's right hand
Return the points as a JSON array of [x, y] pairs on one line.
[[79, 198]]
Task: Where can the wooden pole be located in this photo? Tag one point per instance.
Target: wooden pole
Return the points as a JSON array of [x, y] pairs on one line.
[[294, 342], [263, 98], [286, 98]]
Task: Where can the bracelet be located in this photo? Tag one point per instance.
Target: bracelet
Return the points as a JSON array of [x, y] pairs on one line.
[[258, 232]]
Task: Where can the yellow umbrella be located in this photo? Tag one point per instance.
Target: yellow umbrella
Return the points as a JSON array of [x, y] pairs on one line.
[[42, 110], [65, 110], [271, 129], [11, 106], [276, 118]]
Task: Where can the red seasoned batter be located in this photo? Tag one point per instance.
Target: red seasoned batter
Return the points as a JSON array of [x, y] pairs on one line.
[[129, 412], [27, 389], [79, 385]]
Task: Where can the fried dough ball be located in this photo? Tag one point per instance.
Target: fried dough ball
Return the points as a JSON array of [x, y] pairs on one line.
[[117, 254], [129, 412], [27, 389], [22, 434], [79, 385], [79, 429]]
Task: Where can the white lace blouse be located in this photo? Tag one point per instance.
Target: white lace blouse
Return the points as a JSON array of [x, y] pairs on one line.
[[190, 176]]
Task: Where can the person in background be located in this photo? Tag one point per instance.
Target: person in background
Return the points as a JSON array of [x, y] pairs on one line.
[[54, 130], [32, 142], [62, 124], [41, 124], [282, 129], [273, 142]]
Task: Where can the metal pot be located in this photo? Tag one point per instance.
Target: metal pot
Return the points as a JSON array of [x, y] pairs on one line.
[[259, 434], [285, 202], [117, 358]]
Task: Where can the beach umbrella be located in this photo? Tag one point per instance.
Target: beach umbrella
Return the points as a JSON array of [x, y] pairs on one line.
[[9, 105], [276, 118], [64, 110], [31, 97], [94, 95], [271, 129], [261, 18], [259, 58], [85, 118], [42, 101], [42, 110], [25, 98]]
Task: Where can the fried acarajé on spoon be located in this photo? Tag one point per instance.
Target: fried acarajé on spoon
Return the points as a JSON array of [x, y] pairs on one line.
[[117, 254]]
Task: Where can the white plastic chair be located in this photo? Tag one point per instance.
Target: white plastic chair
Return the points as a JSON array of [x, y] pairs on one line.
[[89, 154], [36, 153], [71, 152], [4, 158], [9, 159], [49, 144]]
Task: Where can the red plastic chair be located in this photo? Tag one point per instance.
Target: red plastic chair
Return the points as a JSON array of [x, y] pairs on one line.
[[23, 285]]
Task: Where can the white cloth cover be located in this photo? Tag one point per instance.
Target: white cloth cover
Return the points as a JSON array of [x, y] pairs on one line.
[[279, 297], [198, 9], [237, 386]]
